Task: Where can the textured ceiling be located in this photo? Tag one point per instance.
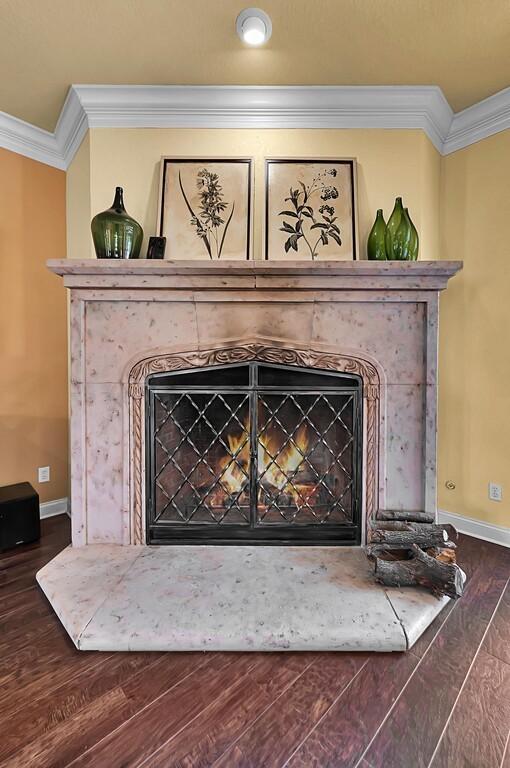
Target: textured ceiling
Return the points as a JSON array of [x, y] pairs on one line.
[[46, 45]]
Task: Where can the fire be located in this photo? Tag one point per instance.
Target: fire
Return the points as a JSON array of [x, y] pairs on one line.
[[277, 464], [232, 476]]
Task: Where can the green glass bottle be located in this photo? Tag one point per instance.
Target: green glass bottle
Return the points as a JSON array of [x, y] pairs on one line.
[[391, 229], [414, 245], [115, 233], [376, 245], [402, 239]]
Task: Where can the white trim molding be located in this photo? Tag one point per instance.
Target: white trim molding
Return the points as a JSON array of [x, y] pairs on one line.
[[30, 141], [421, 107], [484, 119], [53, 508], [162, 106], [496, 534]]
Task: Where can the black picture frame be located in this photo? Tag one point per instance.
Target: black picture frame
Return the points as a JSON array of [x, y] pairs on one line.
[[165, 164], [327, 161]]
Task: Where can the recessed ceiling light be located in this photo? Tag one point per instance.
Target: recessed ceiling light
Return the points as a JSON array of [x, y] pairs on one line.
[[254, 26]]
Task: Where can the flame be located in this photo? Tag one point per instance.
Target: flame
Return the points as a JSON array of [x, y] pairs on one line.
[[277, 464], [232, 476]]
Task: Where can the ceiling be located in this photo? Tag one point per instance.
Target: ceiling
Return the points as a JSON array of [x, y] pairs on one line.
[[46, 45]]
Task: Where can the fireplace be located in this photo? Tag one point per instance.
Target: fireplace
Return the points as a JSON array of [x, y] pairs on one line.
[[253, 453], [245, 403]]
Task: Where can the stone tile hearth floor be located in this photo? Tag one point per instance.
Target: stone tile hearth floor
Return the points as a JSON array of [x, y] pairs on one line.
[[235, 598]]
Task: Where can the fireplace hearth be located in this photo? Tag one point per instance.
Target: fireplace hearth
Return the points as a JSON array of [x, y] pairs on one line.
[[254, 453]]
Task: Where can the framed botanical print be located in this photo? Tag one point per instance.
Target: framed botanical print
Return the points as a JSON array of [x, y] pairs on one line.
[[205, 207], [311, 209]]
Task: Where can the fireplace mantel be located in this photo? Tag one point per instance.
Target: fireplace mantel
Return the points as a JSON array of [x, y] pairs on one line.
[[252, 275], [129, 320], [127, 316]]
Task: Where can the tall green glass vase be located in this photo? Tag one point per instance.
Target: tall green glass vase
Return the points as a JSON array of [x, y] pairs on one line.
[[414, 245], [115, 233], [376, 245], [402, 239], [392, 251]]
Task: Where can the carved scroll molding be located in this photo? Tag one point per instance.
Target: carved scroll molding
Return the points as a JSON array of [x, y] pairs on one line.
[[241, 354]]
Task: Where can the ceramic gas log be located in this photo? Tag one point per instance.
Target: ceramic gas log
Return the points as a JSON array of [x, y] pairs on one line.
[[396, 547], [417, 568]]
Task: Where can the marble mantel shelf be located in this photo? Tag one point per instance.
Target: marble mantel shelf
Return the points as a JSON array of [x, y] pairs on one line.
[[332, 275]]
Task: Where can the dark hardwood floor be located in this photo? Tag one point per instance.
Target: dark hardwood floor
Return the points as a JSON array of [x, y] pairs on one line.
[[445, 704]]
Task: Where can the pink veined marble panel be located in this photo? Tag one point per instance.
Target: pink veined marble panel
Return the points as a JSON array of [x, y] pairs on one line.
[[118, 330], [391, 332], [105, 470], [227, 322]]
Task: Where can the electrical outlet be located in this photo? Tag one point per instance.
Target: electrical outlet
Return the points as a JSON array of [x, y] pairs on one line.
[[495, 492], [44, 474]]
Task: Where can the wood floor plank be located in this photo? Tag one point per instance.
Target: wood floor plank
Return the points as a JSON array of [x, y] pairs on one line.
[[497, 639], [411, 732], [422, 644], [27, 631], [477, 731], [39, 668], [280, 730], [168, 714], [344, 733], [22, 608], [45, 713], [219, 725], [71, 737], [53, 748], [505, 763]]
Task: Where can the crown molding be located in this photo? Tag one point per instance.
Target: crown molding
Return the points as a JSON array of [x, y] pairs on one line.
[[30, 141], [161, 106], [475, 123], [174, 106], [72, 125]]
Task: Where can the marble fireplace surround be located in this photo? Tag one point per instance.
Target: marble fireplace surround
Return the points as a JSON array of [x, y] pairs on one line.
[[130, 319]]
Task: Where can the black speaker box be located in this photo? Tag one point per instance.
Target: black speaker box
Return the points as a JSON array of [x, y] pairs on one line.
[[19, 515]]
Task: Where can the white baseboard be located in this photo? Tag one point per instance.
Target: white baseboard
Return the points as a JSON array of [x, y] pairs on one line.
[[496, 534], [53, 508]]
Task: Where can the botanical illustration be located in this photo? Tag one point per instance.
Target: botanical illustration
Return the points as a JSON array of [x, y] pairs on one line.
[[304, 219], [310, 209], [209, 224], [205, 208]]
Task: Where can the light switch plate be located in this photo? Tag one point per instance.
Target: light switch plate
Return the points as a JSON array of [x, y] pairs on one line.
[[44, 474]]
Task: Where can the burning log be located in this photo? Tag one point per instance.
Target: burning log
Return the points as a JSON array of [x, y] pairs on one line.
[[421, 569], [400, 514]]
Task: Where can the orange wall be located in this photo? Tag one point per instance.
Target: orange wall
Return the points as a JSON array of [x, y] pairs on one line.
[[33, 325]]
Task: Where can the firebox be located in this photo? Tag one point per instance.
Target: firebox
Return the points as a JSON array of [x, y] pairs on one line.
[[254, 453]]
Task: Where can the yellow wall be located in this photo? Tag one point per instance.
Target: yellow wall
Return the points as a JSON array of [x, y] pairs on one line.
[[474, 414], [390, 163], [33, 326], [78, 212], [461, 206]]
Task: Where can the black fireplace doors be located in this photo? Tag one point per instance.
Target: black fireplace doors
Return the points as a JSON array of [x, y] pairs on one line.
[[254, 453]]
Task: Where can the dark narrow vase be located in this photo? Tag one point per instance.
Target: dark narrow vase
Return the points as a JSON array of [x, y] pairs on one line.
[[391, 230], [414, 245], [376, 245], [115, 233]]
